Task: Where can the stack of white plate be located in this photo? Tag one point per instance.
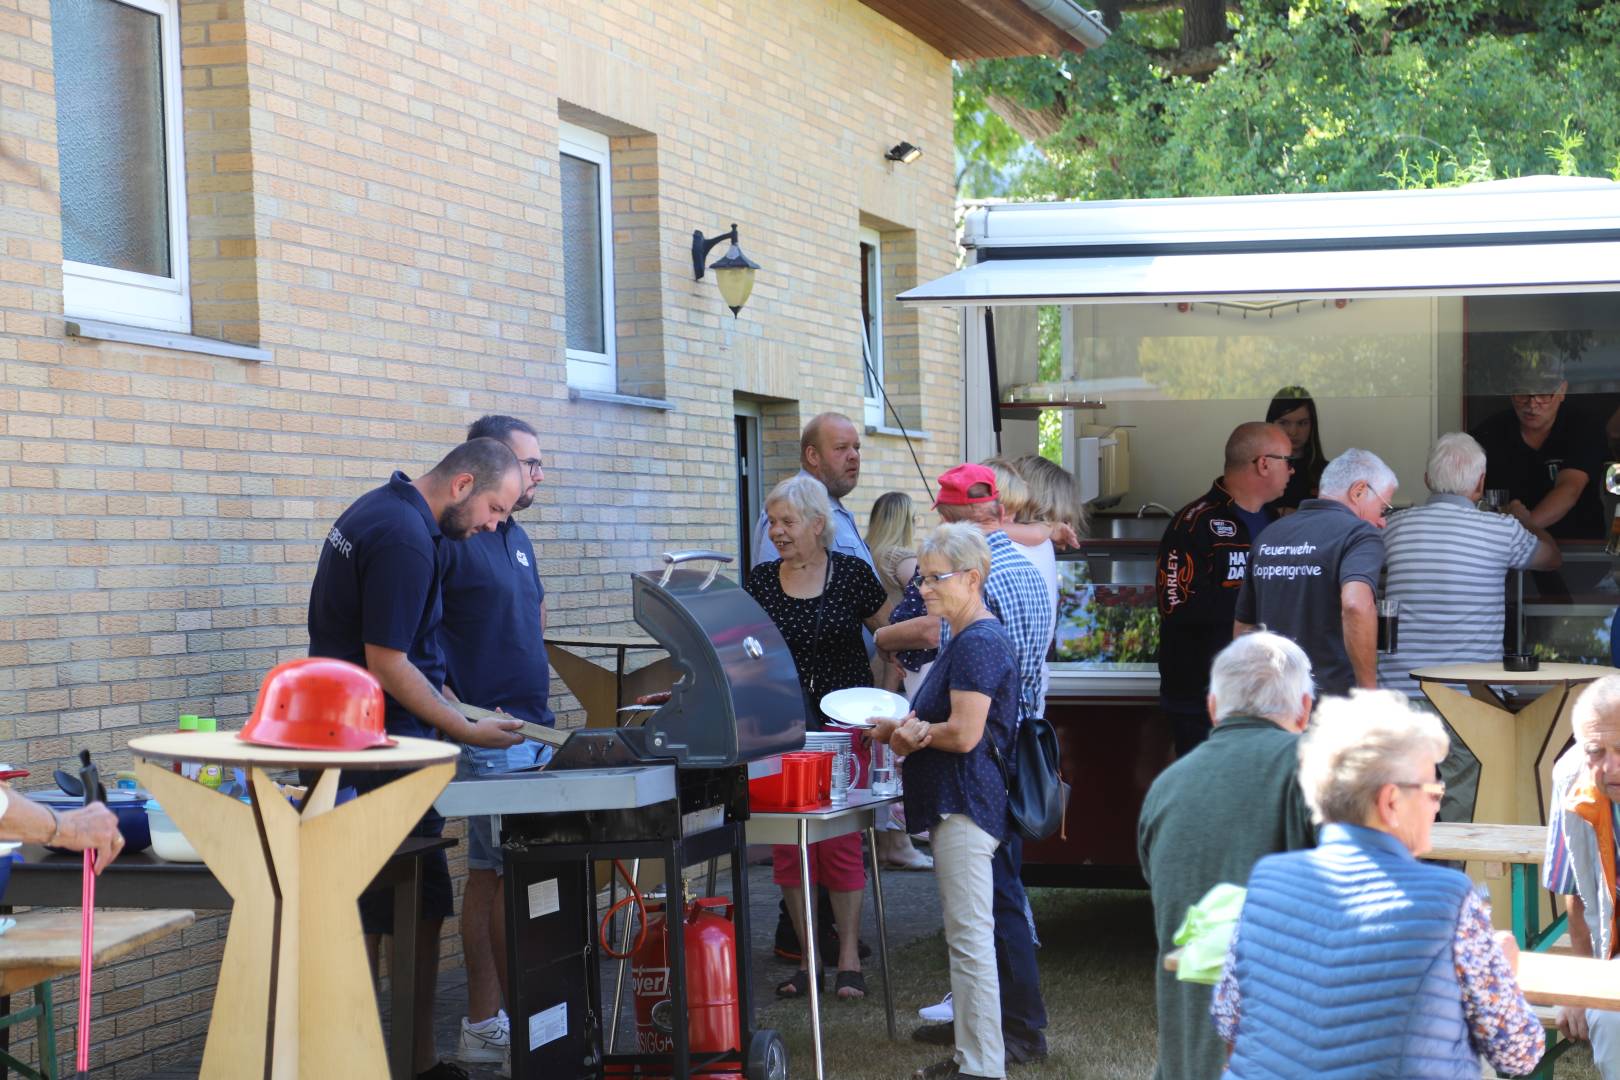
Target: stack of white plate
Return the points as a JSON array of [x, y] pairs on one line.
[[826, 740]]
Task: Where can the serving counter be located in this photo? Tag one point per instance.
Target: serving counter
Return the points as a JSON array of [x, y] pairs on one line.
[[1103, 699]]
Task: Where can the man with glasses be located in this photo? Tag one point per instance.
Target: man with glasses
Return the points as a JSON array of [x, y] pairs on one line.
[[1313, 576], [1203, 559], [495, 656], [1545, 455], [1581, 853]]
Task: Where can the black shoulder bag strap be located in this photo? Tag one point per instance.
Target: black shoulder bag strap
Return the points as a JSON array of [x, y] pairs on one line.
[[812, 701]]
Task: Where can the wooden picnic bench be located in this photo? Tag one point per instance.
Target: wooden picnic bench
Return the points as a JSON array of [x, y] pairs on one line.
[[1517, 848], [44, 945]]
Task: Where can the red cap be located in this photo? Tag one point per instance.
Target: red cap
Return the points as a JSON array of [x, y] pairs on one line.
[[318, 703], [955, 484]]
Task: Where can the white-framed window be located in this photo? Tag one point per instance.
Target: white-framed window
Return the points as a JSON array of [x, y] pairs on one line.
[[587, 228], [118, 119], [872, 323]]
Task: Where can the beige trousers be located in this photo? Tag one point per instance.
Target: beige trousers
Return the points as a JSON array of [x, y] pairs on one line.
[[962, 853]]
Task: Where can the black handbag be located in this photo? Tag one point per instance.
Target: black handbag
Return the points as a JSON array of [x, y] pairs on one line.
[[1037, 794]]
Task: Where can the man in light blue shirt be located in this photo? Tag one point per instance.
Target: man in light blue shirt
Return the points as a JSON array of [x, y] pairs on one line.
[[830, 451]]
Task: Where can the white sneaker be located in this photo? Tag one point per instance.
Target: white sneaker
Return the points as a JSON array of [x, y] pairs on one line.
[[943, 1013], [486, 1042]]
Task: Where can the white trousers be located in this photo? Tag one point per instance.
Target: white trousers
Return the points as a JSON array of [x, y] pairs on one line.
[[962, 854]]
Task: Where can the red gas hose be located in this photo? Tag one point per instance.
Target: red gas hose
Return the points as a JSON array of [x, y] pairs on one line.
[[632, 897]]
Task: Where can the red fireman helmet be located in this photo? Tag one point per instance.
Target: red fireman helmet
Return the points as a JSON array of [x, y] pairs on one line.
[[318, 703]]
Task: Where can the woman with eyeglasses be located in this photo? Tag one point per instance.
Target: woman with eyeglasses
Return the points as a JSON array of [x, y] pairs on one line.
[[964, 713], [1353, 958], [1294, 410]]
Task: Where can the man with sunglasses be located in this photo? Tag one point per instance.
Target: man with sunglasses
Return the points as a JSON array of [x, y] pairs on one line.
[[1313, 576], [1545, 455], [495, 657], [1203, 560]]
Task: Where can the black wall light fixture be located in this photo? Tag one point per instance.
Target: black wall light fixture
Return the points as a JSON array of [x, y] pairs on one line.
[[904, 153], [733, 271]]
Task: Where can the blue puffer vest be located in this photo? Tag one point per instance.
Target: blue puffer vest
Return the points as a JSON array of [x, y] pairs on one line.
[[1344, 965]]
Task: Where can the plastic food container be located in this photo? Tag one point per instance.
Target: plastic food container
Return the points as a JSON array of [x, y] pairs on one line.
[[125, 805], [168, 842]]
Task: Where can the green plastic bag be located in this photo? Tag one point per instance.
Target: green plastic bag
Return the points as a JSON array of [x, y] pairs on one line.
[[1206, 933]]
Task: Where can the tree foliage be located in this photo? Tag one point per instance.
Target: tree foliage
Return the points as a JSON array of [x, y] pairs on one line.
[[1312, 95]]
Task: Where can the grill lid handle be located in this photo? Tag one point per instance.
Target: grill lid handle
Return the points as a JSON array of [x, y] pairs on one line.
[[672, 559]]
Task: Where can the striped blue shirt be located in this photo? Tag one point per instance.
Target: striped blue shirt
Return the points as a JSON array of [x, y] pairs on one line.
[[1015, 592], [1447, 563]]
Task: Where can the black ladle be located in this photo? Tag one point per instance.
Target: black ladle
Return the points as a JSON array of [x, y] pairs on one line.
[[69, 783]]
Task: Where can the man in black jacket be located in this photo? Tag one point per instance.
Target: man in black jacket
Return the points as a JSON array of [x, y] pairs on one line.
[[1203, 558]]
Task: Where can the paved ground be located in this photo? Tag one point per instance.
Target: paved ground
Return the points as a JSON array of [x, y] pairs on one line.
[[911, 899]]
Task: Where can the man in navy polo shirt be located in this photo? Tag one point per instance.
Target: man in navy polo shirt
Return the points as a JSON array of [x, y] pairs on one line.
[[494, 648], [376, 602]]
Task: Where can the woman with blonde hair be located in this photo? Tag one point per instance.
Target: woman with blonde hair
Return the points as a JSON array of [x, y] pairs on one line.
[[889, 538]]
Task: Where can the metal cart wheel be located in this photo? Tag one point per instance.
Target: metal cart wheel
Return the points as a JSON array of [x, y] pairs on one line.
[[767, 1056]]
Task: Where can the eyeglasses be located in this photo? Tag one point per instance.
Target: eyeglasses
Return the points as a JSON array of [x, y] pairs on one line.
[[1529, 399], [1434, 789], [931, 581], [533, 464], [1275, 457]]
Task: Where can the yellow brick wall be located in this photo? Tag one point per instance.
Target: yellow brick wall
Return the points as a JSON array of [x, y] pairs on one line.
[[373, 191]]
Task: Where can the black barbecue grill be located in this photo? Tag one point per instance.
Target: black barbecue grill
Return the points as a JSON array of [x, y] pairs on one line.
[[673, 787]]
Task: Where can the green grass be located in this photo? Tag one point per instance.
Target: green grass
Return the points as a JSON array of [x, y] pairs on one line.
[[1096, 966]]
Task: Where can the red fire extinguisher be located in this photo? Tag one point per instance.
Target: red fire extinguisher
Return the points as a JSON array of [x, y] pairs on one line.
[[713, 1012]]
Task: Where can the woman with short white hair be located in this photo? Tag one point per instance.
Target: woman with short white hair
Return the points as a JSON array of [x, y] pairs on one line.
[[964, 715], [1353, 958], [819, 599]]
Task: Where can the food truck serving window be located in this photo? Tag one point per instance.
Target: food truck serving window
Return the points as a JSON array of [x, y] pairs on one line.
[[1402, 316]]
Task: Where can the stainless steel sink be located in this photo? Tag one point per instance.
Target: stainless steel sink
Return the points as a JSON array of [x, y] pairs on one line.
[[1147, 527]]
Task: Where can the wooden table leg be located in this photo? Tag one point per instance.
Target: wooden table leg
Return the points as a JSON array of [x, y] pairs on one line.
[[402, 971], [226, 834], [342, 850], [295, 965], [1492, 736]]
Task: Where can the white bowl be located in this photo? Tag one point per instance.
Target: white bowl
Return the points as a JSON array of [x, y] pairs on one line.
[[168, 842]]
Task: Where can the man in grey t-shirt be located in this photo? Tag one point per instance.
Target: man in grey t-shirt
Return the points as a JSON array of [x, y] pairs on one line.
[[1313, 576]]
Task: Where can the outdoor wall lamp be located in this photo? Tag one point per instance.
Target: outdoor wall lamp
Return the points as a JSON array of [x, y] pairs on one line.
[[904, 153], [733, 272]]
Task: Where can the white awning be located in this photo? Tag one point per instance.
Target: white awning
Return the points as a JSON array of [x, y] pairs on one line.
[[1260, 276]]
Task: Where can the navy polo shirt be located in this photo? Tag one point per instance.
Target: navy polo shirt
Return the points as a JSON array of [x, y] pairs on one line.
[[939, 782], [377, 582], [494, 654]]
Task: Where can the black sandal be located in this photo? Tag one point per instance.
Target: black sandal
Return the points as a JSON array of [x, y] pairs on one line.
[[850, 980], [797, 986]]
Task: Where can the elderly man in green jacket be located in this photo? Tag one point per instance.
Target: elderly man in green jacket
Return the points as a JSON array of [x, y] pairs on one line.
[[1210, 817]]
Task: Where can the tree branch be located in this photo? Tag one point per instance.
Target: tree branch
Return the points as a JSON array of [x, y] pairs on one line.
[[1194, 63], [1035, 125]]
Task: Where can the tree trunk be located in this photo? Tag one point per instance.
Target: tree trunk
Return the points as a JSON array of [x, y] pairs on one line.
[[1035, 125], [1203, 23]]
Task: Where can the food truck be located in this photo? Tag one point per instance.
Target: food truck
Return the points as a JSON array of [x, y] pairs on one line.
[[1144, 331]]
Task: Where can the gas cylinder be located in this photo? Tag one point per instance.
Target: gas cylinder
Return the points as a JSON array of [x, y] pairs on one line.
[[713, 1016]]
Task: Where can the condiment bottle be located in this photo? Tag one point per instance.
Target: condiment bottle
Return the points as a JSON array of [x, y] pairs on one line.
[[211, 774], [188, 726]]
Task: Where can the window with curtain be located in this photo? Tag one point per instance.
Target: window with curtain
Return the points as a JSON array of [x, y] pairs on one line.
[[587, 228], [122, 175]]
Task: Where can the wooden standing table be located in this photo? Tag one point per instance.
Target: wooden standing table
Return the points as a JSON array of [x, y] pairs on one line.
[[1516, 751], [294, 985]]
